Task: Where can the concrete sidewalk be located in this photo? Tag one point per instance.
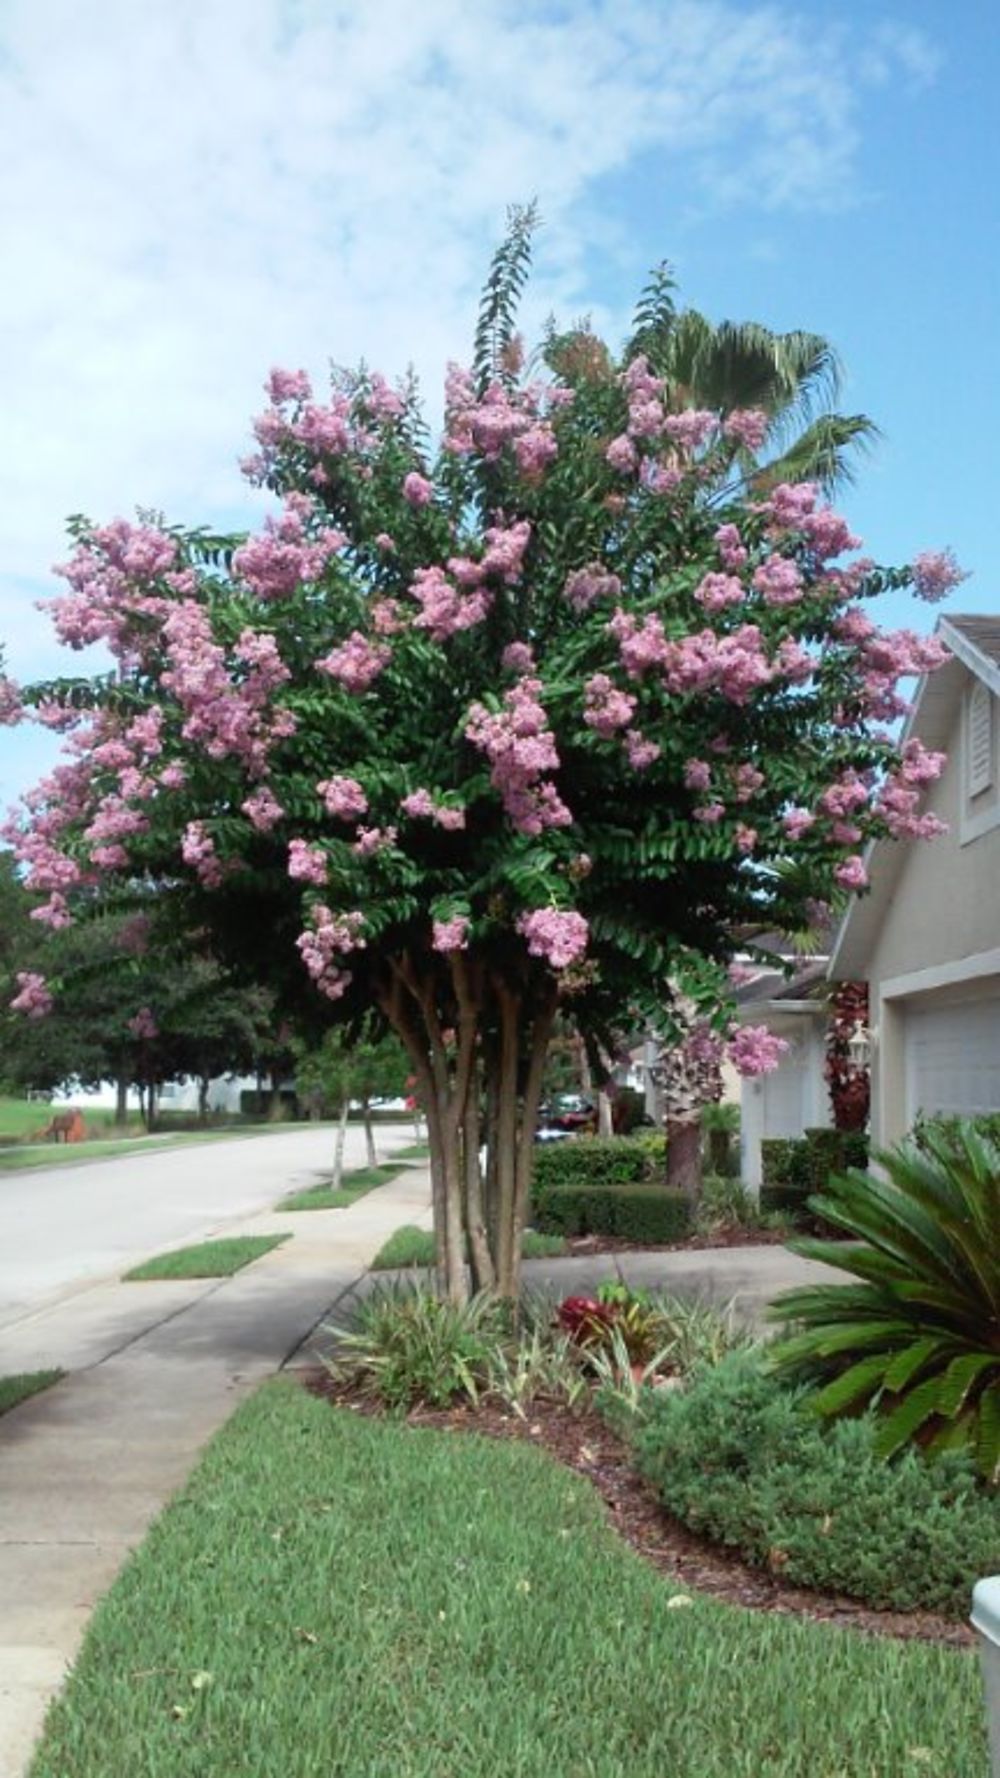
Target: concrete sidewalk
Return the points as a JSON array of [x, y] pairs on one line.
[[155, 1369]]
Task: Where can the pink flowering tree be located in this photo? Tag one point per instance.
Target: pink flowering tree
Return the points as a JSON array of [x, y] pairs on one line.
[[548, 717]]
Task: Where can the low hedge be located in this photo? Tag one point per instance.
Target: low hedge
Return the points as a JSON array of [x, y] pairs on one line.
[[649, 1215], [793, 1168], [598, 1160], [740, 1458]]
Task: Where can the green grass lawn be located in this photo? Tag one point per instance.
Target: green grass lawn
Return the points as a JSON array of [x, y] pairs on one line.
[[21, 1117], [410, 1246], [361, 1599], [353, 1186], [208, 1259], [18, 1388], [414, 1151]]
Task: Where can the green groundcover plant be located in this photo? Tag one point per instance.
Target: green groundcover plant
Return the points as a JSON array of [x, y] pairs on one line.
[[919, 1336], [738, 1456]]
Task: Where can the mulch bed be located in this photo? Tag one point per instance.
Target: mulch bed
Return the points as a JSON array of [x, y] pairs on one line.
[[584, 1443]]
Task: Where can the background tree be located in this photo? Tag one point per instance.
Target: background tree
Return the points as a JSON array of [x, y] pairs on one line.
[[345, 1067], [129, 1009], [533, 720]]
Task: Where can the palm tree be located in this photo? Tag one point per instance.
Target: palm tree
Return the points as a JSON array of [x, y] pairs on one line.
[[794, 377]]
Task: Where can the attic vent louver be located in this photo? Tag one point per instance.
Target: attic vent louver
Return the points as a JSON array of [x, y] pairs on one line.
[[980, 739]]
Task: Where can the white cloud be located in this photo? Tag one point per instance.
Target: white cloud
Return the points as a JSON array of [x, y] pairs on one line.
[[192, 190]]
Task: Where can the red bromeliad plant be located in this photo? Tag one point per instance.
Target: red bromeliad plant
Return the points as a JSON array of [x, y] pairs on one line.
[[537, 718]]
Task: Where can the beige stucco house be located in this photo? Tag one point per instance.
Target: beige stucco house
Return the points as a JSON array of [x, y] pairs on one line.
[[927, 936]]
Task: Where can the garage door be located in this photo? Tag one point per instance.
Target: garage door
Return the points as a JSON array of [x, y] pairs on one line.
[[953, 1058]]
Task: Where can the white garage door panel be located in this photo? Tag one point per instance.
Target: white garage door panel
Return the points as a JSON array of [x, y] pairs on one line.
[[953, 1059]]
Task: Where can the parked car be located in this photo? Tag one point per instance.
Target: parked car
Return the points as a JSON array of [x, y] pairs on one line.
[[566, 1114]]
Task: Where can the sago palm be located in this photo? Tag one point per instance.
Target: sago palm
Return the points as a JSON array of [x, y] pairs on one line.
[[918, 1337]]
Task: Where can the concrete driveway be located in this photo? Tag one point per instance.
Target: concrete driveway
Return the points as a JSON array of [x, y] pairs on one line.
[[63, 1227]]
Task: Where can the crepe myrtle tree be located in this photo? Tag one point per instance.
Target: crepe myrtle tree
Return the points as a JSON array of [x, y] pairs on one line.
[[546, 717]]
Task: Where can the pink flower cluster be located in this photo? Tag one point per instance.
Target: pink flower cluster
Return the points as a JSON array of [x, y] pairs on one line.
[[420, 804], [735, 665], [607, 709], [109, 575], [321, 947], [851, 873], [262, 809], [935, 574], [451, 934], [716, 591], [746, 426], [779, 581], [275, 564], [586, 585], [357, 663], [223, 717], [444, 610], [502, 418], [754, 1050], [343, 798], [883, 657], [520, 747], [11, 710], [518, 657], [306, 864], [198, 851], [639, 751], [561, 938], [898, 799], [33, 998], [691, 429], [417, 490], [733, 552], [371, 840]]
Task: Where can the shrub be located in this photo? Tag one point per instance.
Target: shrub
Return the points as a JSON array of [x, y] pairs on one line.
[[597, 1160], [725, 1201], [408, 1345], [796, 1167], [647, 1215], [738, 1457], [917, 1336]]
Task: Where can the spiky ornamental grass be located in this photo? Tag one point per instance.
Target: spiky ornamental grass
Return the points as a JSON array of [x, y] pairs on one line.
[[919, 1335]]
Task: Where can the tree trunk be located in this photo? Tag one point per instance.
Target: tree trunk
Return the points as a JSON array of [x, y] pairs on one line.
[[477, 1222], [203, 1086], [366, 1112], [274, 1109], [121, 1101], [481, 1259], [338, 1150], [684, 1157], [605, 1122]]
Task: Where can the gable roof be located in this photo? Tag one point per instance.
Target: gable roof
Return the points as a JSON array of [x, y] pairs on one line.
[[974, 644]]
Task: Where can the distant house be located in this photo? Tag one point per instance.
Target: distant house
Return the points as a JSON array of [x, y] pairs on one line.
[[927, 936], [794, 1097]]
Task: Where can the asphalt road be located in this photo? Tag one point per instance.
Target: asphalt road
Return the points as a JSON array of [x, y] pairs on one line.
[[62, 1227]]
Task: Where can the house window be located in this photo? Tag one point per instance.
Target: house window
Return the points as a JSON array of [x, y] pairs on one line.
[[980, 755]]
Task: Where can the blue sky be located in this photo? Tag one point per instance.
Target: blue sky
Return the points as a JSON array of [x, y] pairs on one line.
[[193, 190]]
